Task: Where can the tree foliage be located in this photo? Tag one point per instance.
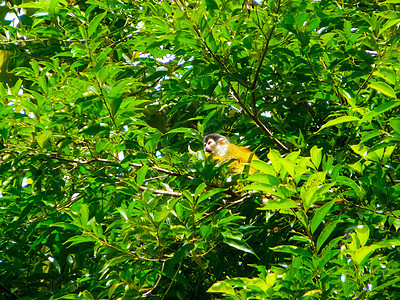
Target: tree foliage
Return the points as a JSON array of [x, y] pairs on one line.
[[105, 192]]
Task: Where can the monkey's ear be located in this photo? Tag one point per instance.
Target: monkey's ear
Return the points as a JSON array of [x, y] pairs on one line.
[[222, 141]]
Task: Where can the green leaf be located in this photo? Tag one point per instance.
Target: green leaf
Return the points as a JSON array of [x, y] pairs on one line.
[[239, 244], [230, 219], [152, 143], [380, 110], [211, 42], [383, 88], [112, 289], [84, 215], [95, 129], [80, 239], [316, 156], [309, 195], [386, 73], [188, 196], [279, 204], [395, 123], [326, 233], [52, 7], [263, 167], [157, 22], [388, 24], [222, 287], [115, 104], [363, 253], [160, 213], [211, 4], [364, 152], [66, 226], [209, 194], [340, 120], [38, 5], [349, 96], [370, 135], [390, 283], [193, 133], [264, 178], [42, 137], [199, 189], [348, 182], [141, 175], [320, 215], [167, 7], [292, 250], [289, 166], [95, 23], [362, 234], [259, 186], [179, 255], [87, 295]]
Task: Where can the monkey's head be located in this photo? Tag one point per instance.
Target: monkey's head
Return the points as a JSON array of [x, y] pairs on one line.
[[216, 144]]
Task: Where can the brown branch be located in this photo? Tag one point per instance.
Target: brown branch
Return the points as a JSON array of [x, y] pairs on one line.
[[102, 95], [219, 61], [263, 54], [172, 281], [54, 155], [161, 192], [133, 254], [157, 282], [261, 125]]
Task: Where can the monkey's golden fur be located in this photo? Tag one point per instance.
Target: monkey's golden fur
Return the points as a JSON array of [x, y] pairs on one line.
[[222, 150]]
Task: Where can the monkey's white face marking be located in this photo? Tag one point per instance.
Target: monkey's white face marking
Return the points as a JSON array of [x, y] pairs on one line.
[[218, 148], [209, 146]]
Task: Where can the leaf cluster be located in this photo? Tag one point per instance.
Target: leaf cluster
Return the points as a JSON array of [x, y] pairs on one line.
[[105, 191]]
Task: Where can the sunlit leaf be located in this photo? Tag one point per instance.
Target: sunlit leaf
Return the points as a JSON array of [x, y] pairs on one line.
[[239, 244], [320, 215], [337, 121], [326, 232], [380, 109], [43, 137], [211, 4], [263, 167], [222, 287], [141, 175], [386, 73], [199, 189], [95, 23], [160, 213], [316, 156], [292, 250], [383, 88], [395, 123], [278, 204]]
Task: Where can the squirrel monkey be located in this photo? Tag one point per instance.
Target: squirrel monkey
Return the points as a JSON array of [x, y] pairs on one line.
[[224, 151]]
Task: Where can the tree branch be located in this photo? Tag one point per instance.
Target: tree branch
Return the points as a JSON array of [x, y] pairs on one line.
[[54, 155], [261, 125], [161, 192], [263, 54]]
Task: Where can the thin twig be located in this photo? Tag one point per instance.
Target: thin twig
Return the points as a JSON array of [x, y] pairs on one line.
[[264, 53], [236, 96], [161, 192], [54, 155], [172, 280]]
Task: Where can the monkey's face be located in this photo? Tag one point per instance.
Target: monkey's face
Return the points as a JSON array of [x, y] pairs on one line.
[[209, 146], [216, 144]]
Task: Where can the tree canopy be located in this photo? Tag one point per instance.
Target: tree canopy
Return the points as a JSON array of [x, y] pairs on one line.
[[105, 191]]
